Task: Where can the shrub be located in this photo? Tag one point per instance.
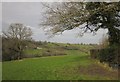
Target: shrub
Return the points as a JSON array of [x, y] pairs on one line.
[[110, 55], [70, 47], [106, 55], [52, 52], [94, 53]]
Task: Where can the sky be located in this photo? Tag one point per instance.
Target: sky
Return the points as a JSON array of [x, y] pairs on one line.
[[59, 0], [0, 17], [30, 14]]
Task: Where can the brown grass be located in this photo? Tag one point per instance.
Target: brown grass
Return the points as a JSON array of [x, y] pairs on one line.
[[97, 70]]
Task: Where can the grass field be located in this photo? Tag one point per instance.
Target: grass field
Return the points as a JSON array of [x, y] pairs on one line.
[[75, 66]]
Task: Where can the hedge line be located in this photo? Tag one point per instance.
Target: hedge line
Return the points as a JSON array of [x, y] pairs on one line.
[[110, 55]]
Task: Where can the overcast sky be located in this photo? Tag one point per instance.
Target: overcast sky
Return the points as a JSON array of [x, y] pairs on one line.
[[30, 13]]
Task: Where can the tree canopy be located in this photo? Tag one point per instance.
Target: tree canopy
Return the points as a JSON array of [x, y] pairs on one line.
[[18, 31], [88, 16]]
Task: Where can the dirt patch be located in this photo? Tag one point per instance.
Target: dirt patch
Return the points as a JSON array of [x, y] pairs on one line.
[[96, 70]]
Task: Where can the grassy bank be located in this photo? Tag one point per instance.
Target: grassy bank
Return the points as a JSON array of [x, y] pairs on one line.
[[75, 66]]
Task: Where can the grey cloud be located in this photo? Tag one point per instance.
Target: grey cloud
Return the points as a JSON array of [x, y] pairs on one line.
[[30, 14]]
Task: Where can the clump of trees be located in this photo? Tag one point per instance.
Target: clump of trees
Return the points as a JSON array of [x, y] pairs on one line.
[[14, 41]]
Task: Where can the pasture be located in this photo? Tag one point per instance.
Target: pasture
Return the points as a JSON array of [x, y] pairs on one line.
[[76, 65]]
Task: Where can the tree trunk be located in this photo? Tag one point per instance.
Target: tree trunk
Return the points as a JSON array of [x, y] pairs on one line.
[[114, 36]]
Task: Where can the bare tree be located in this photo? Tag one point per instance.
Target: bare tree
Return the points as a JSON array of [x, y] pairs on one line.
[[17, 34], [18, 31]]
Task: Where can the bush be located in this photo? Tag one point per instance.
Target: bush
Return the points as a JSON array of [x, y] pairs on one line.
[[110, 55], [71, 48], [10, 49], [94, 53], [32, 55], [53, 53], [106, 55]]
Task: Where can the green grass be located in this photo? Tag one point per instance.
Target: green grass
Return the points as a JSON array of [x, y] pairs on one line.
[[75, 66], [32, 51], [56, 47]]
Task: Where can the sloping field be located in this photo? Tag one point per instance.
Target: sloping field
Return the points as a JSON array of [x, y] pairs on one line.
[[75, 66]]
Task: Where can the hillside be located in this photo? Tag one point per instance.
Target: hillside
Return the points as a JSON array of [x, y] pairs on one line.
[[74, 64], [40, 49]]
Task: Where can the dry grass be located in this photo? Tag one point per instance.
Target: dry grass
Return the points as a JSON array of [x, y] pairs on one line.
[[97, 70]]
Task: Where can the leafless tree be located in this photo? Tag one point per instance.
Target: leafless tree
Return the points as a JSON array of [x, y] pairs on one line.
[[17, 34], [18, 31]]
